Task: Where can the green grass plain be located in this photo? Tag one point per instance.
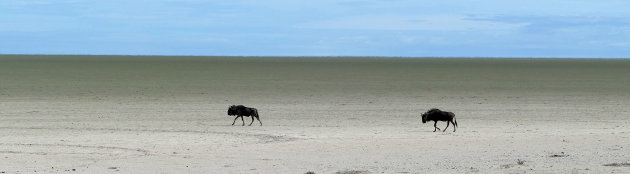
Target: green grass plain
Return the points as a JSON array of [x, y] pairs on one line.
[[159, 77]]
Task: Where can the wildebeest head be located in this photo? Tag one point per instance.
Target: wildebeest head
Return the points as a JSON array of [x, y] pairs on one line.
[[424, 117], [232, 110], [429, 112]]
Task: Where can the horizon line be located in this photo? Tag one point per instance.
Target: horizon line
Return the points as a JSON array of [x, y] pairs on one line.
[[339, 56]]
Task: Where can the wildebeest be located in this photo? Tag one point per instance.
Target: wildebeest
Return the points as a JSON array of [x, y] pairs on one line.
[[240, 111], [438, 115]]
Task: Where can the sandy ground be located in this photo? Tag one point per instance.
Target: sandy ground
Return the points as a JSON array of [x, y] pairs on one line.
[[100, 114]]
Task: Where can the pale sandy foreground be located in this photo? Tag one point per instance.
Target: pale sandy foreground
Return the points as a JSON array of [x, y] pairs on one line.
[[100, 114]]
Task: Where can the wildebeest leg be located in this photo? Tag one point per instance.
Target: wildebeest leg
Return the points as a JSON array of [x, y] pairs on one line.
[[447, 123], [234, 120], [250, 124], [243, 120], [435, 126], [454, 126], [257, 118]]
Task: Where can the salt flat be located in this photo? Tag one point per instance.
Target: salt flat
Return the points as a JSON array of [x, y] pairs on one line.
[[159, 114]]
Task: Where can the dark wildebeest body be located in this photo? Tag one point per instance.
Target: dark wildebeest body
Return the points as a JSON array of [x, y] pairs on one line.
[[240, 111], [438, 115]]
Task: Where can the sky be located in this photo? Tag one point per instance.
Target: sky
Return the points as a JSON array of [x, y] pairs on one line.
[[392, 28]]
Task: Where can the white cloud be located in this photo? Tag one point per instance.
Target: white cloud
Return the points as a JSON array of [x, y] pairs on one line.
[[402, 22]]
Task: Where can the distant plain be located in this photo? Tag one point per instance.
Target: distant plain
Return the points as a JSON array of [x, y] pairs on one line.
[[153, 114]]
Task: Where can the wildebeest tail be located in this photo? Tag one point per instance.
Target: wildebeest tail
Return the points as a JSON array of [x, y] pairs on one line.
[[454, 120]]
